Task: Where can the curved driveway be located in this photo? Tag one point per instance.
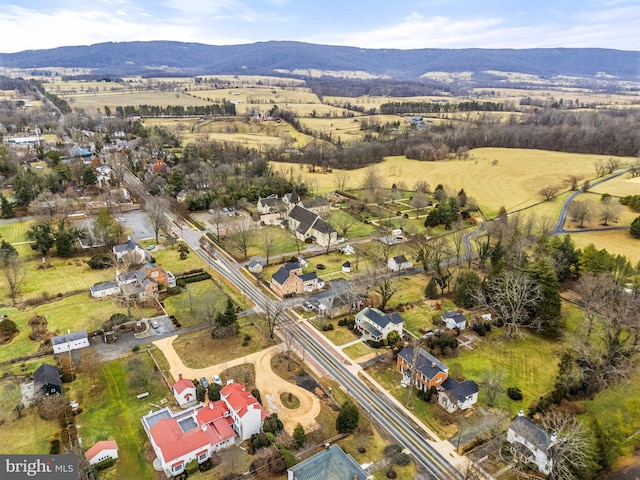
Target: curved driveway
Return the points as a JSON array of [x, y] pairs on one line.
[[559, 228], [269, 383]]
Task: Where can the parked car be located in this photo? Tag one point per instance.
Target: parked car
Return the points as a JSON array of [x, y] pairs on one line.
[[308, 306], [204, 382], [151, 247], [216, 379], [155, 324], [225, 209]]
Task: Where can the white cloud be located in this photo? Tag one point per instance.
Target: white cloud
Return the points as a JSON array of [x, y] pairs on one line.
[[609, 30]]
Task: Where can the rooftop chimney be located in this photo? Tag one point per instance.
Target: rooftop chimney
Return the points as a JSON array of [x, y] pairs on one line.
[[179, 375], [210, 405], [521, 413], [433, 365]]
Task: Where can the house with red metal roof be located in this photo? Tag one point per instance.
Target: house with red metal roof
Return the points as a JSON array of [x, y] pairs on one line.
[[101, 451], [199, 431], [184, 391]]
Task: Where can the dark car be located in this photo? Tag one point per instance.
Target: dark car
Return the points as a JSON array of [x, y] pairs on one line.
[[204, 382]]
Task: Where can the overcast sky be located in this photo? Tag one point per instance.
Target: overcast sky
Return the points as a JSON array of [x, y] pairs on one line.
[[405, 24]]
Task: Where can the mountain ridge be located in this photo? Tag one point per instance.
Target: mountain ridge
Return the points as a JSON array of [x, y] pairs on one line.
[[135, 58]]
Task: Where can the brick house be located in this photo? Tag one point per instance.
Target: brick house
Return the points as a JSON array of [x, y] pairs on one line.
[[289, 280], [431, 372]]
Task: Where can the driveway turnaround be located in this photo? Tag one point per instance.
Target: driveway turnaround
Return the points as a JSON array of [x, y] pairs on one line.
[[268, 382]]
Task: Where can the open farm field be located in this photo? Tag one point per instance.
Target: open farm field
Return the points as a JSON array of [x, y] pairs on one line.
[[113, 100], [346, 129], [257, 95], [620, 187], [494, 176], [254, 79], [617, 242], [67, 87]]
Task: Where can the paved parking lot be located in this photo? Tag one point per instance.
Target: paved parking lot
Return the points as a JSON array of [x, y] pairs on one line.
[[137, 223]]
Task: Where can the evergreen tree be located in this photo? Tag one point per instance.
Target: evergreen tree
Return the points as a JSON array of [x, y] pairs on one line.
[[8, 252], [468, 284], [431, 290], [299, 436], [348, 417], [6, 209], [634, 229], [547, 310], [42, 236]]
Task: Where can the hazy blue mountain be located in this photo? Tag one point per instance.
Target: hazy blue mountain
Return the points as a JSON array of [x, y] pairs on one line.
[[266, 57]]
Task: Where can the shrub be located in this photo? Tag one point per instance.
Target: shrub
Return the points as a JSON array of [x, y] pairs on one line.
[[402, 459], [328, 327], [106, 463], [101, 261], [174, 290], [8, 326], [54, 446], [391, 473], [198, 277], [247, 337], [245, 343], [514, 393], [192, 466], [181, 283], [320, 266], [289, 458], [135, 348]]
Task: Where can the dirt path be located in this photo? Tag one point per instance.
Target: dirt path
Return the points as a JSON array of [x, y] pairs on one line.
[[269, 384]]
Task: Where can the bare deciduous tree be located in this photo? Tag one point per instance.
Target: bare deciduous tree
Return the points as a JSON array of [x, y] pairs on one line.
[[268, 239], [273, 312], [549, 191], [15, 273], [243, 235], [341, 180], [419, 201], [511, 296], [493, 381], [609, 212], [575, 451], [157, 207], [581, 211]]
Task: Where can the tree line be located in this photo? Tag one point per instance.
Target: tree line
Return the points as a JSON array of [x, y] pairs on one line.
[[224, 108]]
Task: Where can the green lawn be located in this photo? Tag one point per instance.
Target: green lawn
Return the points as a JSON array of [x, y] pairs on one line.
[[112, 411], [170, 259], [358, 229], [529, 363], [284, 241], [15, 232], [199, 350], [75, 312], [27, 435], [420, 315], [358, 350], [187, 305]]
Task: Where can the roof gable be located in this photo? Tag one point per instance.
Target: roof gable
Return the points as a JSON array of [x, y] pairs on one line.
[[427, 364], [330, 464], [69, 337], [182, 385], [531, 432], [99, 447], [46, 374], [381, 319]]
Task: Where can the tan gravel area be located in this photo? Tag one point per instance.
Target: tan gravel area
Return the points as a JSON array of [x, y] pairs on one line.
[[269, 383]]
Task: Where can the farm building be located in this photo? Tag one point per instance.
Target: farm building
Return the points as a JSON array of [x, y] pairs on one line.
[[70, 341]]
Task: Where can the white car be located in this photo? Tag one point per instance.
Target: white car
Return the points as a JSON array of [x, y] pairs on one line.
[[151, 247], [155, 324], [216, 379]]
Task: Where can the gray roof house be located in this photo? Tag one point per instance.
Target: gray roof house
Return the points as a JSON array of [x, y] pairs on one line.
[[376, 325], [132, 249], [308, 225], [70, 341], [399, 263], [454, 319], [532, 442], [330, 464], [47, 379], [268, 204], [456, 395]]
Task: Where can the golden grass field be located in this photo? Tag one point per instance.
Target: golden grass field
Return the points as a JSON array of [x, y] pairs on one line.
[[621, 186], [92, 101], [513, 183], [613, 241]]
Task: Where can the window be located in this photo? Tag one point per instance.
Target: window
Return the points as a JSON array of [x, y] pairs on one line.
[[202, 458], [177, 468]]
